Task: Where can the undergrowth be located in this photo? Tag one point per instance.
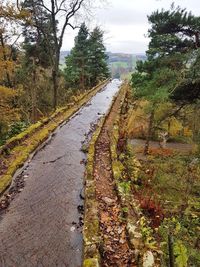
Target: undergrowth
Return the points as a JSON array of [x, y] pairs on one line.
[[167, 187]]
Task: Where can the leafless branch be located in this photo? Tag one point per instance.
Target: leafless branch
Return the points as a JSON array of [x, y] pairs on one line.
[[73, 27], [43, 5], [76, 6]]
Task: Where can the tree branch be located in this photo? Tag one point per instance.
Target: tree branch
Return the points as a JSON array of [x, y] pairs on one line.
[[45, 7], [76, 6]]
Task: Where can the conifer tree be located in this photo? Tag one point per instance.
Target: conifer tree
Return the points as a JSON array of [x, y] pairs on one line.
[[87, 62], [172, 52], [175, 40], [76, 71], [98, 66]]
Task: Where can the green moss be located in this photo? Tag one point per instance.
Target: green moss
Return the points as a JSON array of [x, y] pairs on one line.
[[16, 140], [90, 189], [91, 229], [118, 168], [91, 263], [5, 181], [124, 189]]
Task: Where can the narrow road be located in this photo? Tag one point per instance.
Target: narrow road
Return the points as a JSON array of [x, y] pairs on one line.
[[42, 226]]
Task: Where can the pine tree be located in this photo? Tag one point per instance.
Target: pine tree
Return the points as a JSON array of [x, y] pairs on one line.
[[76, 71], [87, 62], [175, 42], [98, 66], [174, 30]]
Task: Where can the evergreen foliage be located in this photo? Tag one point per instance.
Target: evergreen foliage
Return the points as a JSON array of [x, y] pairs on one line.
[[175, 44], [76, 71], [171, 72], [87, 62], [98, 67]]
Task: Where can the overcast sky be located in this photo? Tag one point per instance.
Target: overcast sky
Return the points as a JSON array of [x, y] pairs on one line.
[[125, 23]]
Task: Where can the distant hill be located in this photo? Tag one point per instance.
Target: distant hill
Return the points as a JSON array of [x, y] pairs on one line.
[[121, 64]]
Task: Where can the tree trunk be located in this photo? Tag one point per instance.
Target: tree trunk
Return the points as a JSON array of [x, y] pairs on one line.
[[9, 84], [197, 43], [55, 78], [171, 250], [56, 55], [55, 87], [34, 96], [149, 133]]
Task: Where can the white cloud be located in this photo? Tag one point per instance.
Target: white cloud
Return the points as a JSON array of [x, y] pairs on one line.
[[125, 23]]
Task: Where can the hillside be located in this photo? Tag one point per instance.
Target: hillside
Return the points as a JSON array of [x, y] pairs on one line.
[[121, 64]]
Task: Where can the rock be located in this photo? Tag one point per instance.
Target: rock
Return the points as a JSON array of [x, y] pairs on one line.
[[108, 200], [120, 230], [109, 229], [133, 233], [148, 259], [122, 241], [73, 228]]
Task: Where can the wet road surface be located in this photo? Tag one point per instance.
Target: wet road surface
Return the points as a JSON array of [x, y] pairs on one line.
[[41, 225]]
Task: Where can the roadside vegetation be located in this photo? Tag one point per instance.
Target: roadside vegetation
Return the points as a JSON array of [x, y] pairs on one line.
[[165, 110]]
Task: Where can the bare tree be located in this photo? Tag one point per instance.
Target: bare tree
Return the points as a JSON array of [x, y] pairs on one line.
[[63, 14]]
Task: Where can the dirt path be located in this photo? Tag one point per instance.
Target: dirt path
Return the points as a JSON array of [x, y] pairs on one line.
[[139, 144], [42, 225], [115, 249]]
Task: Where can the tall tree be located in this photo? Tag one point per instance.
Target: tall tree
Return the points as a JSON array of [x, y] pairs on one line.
[[153, 87], [174, 30], [76, 71], [38, 41], [175, 34], [172, 62], [67, 9], [98, 65], [87, 62], [10, 19]]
